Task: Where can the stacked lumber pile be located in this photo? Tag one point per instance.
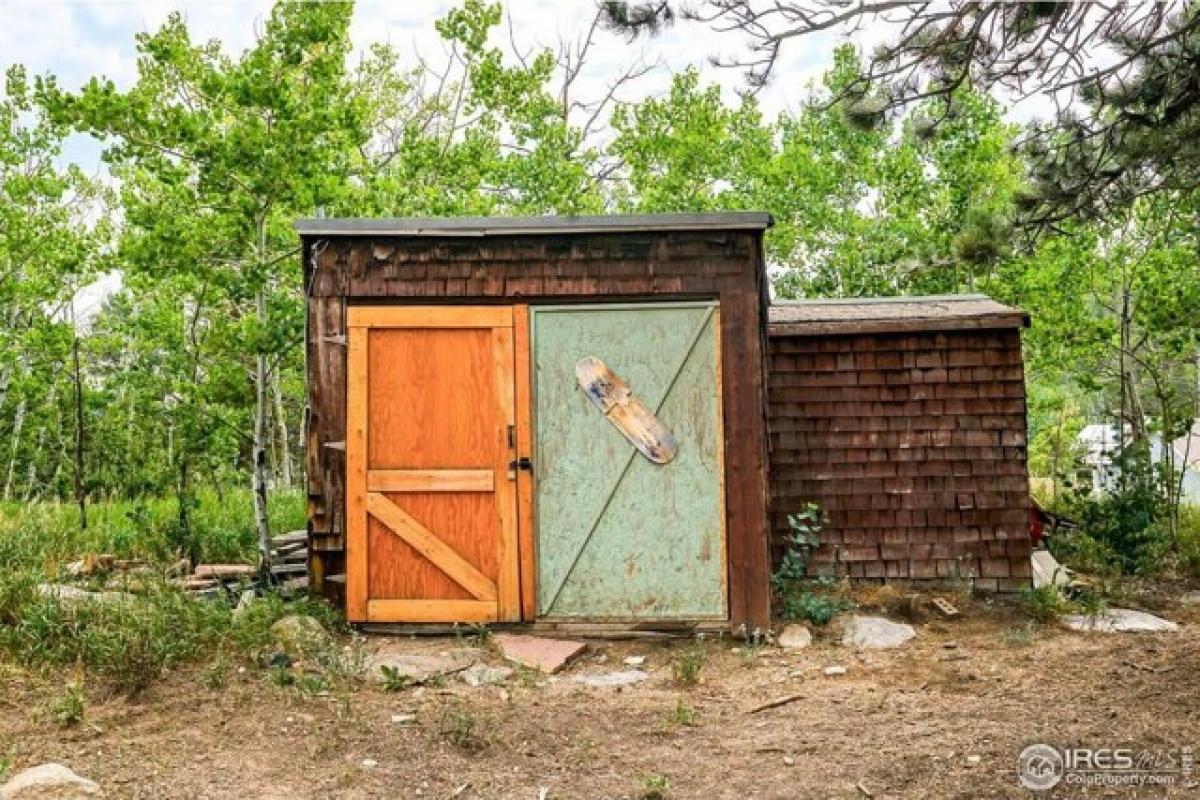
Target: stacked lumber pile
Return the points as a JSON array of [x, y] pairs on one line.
[[289, 569]]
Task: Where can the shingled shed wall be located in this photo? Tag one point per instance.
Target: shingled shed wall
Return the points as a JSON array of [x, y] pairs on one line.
[[904, 420]]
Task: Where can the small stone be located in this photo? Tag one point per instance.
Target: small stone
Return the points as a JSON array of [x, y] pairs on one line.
[[482, 675], [624, 678], [974, 760], [50, 782], [795, 637], [369, 763], [403, 719], [876, 633], [836, 669], [300, 635], [788, 761], [1118, 620], [635, 661], [1191, 598]]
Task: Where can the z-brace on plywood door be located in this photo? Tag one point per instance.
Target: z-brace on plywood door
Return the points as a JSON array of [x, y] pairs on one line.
[[431, 512]]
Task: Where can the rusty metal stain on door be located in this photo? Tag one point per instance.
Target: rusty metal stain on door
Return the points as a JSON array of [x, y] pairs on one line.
[[620, 537]]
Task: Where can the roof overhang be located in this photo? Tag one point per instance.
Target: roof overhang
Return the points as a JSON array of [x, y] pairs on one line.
[[532, 226], [892, 315]]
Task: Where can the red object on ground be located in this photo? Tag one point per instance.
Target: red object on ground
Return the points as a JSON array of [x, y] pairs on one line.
[[546, 655], [1037, 527]]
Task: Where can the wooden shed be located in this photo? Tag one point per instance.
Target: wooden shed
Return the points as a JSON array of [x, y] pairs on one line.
[[544, 419], [904, 420]]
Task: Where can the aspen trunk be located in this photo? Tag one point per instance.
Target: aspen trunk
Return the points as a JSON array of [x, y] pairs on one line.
[[80, 496], [285, 453], [259, 456], [18, 424]]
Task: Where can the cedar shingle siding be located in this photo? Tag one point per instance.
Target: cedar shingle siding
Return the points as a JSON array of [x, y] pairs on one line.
[[912, 442]]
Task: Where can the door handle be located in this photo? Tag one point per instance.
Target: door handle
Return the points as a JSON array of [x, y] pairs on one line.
[[521, 463]]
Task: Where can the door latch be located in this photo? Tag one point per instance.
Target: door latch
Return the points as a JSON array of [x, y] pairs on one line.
[[521, 463]]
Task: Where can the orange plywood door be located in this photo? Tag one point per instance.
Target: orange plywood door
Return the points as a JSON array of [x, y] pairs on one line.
[[431, 499]]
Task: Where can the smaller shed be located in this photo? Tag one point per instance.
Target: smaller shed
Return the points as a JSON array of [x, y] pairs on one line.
[[904, 420]]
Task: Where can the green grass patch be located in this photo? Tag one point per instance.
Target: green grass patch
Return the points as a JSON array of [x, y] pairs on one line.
[[45, 536], [130, 643]]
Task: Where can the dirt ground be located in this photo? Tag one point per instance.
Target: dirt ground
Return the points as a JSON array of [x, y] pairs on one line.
[[945, 716]]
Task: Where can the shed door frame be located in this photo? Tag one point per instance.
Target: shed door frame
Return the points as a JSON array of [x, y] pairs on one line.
[[530, 601], [496, 602]]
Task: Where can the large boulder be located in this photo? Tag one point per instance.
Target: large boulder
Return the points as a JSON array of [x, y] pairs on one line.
[[300, 636], [49, 782], [876, 633]]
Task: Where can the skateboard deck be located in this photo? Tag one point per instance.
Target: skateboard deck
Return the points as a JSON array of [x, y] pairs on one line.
[[625, 411]]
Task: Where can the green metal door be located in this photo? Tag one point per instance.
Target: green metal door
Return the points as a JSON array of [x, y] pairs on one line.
[[618, 536]]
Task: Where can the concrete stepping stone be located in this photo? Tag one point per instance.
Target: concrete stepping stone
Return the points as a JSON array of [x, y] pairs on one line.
[[483, 675], [420, 668], [1118, 620], [876, 633], [612, 679]]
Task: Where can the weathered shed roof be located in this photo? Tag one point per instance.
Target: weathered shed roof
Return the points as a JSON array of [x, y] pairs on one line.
[[514, 226], [892, 314]]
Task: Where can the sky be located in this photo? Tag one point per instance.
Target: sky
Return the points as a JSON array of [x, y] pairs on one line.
[[78, 39]]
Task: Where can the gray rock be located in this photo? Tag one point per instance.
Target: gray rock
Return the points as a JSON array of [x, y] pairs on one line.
[[1190, 598], [245, 600], [623, 678], [835, 670], [420, 668], [483, 675], [876, 633], [795, 637], [634, 661], [49, 782], [300, 636], [1118, 620]]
